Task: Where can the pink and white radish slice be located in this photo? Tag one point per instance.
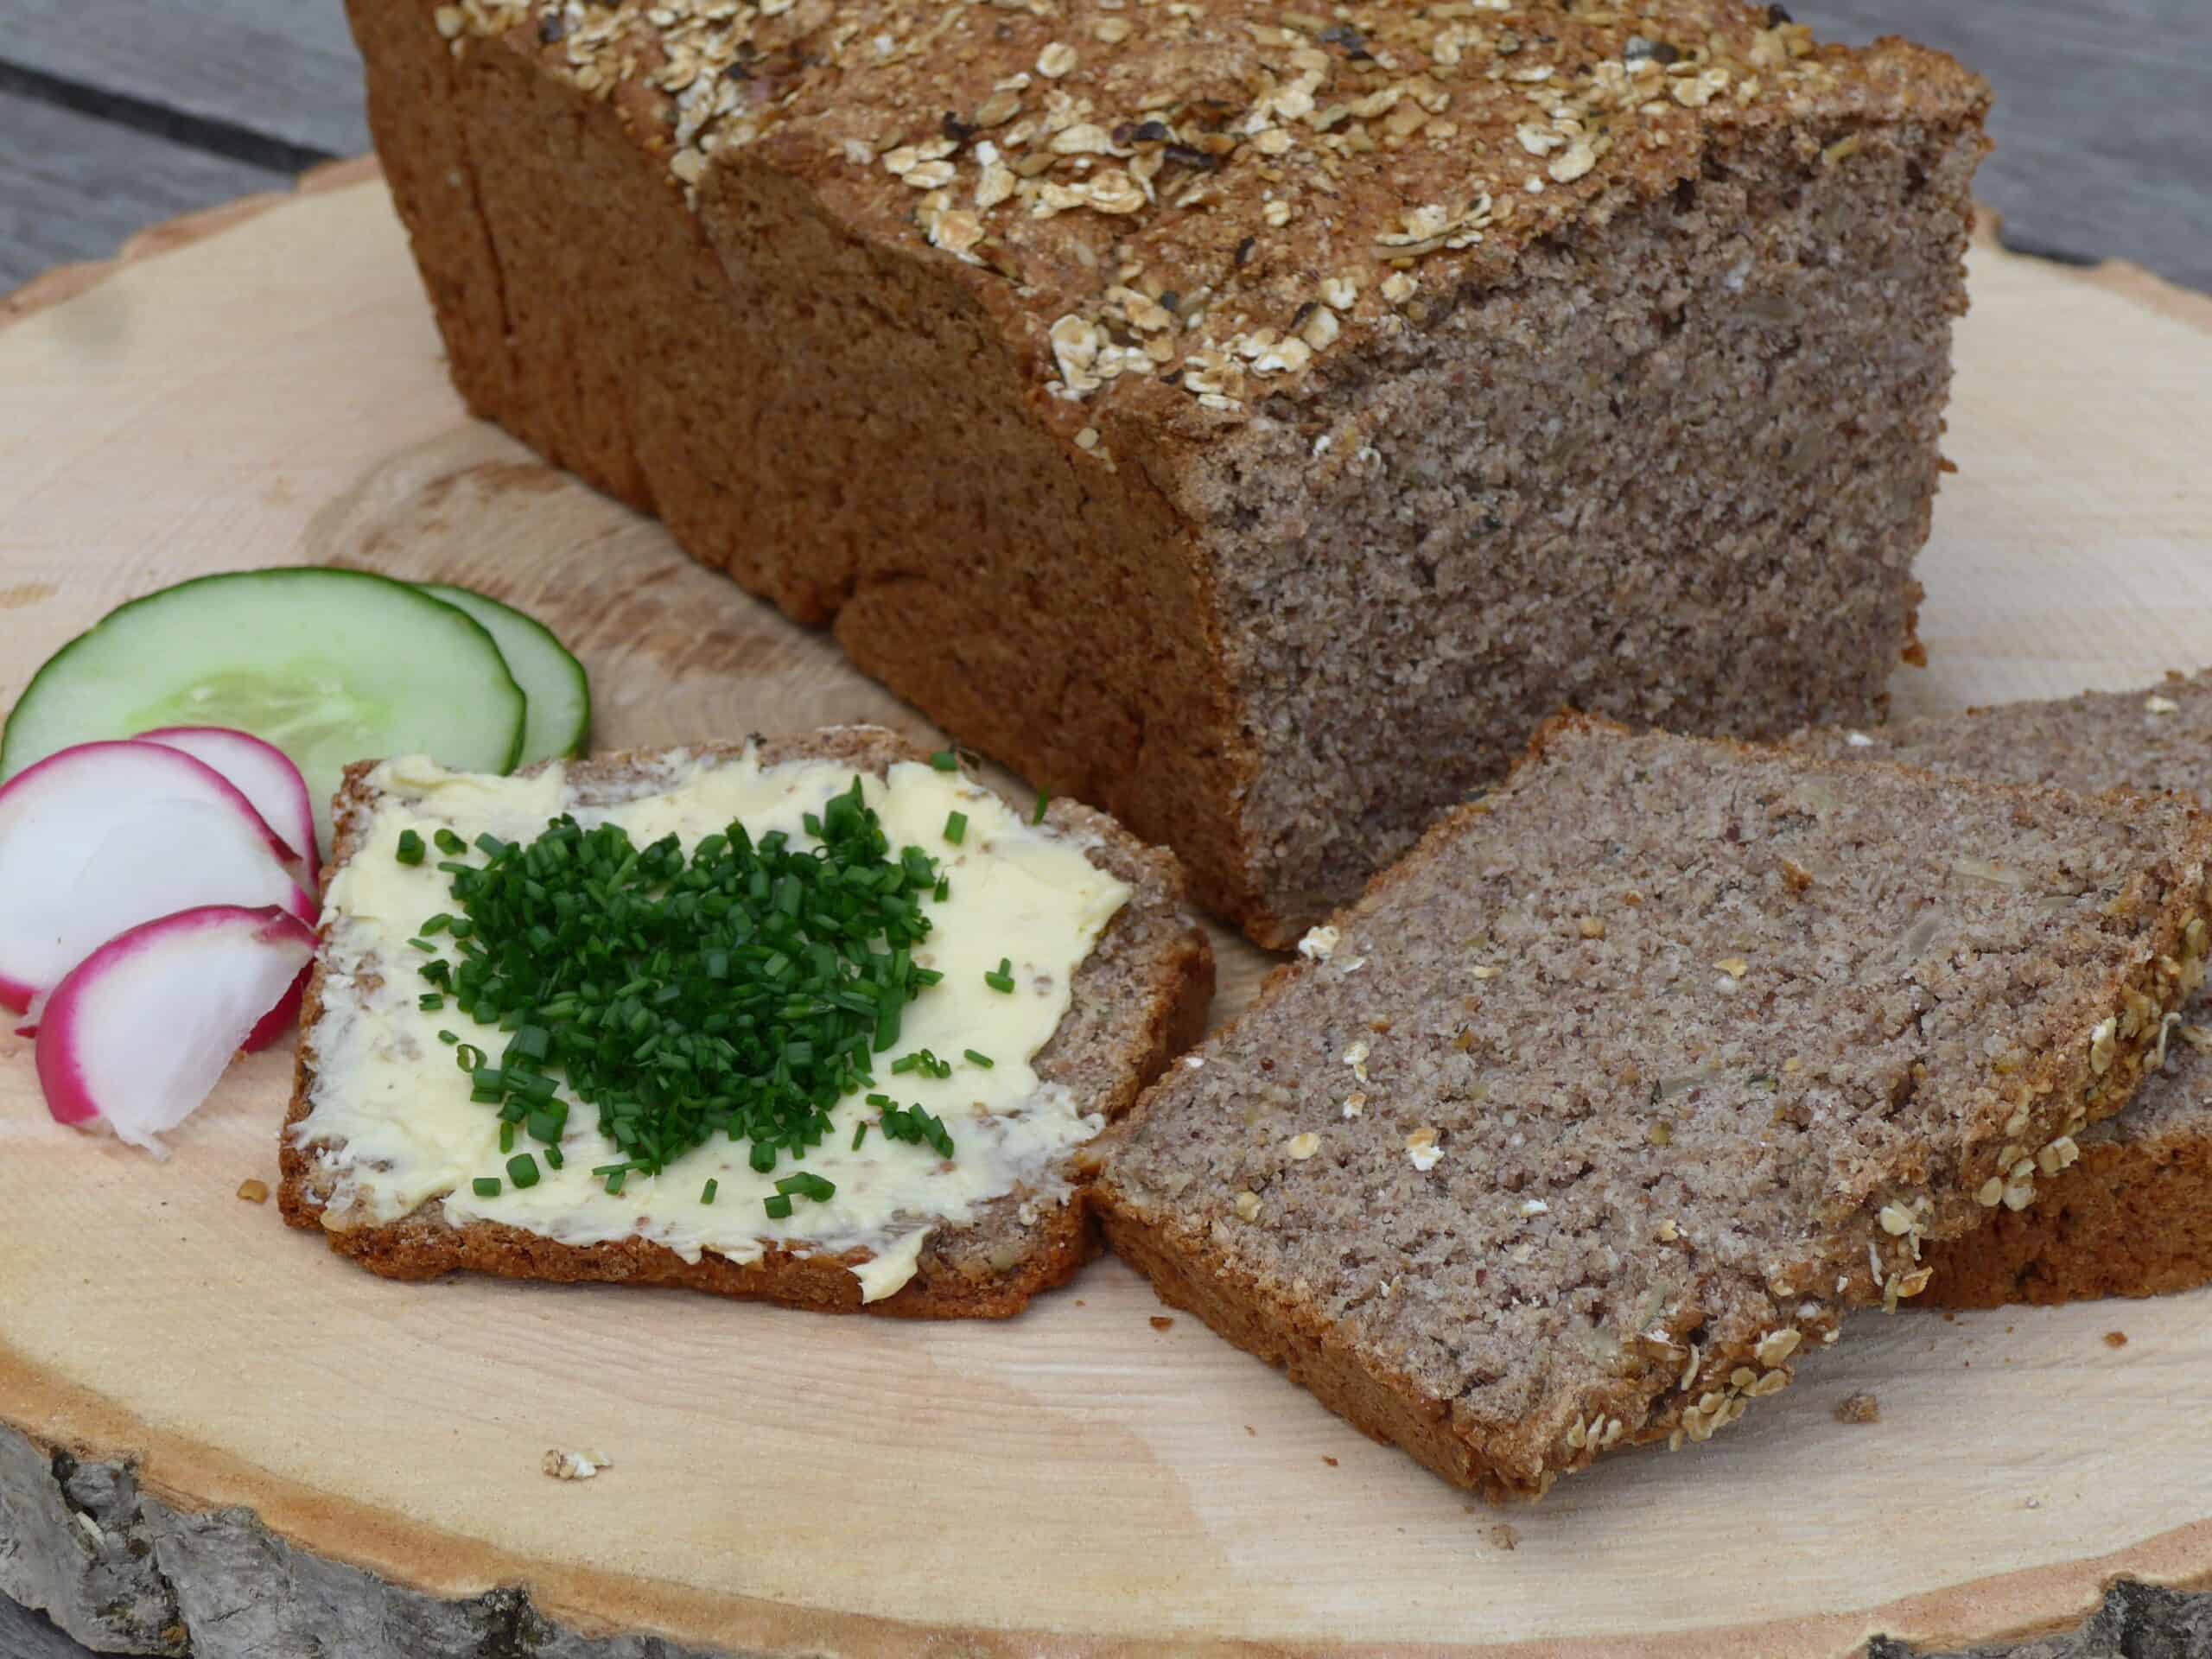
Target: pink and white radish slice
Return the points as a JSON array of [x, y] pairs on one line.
[[137, 1033], [102, 836], [263, 774]]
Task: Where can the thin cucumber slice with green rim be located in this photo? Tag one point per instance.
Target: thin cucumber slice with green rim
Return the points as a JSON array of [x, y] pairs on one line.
[[558, 725], [331, 666]]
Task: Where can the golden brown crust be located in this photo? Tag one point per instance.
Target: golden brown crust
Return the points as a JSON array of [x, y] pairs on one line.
[[1142, 995], [1191, 1270], [2133, 1218], [752, 165]]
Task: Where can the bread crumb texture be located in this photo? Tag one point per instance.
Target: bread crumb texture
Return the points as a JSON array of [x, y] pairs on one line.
[[2129, 1211], [1280, 411], [1973, 976], [1861, 1408]]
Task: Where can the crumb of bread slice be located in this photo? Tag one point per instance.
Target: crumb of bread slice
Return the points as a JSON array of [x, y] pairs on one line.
[[2129, 1208], [1138, 999], [1601, 1109]]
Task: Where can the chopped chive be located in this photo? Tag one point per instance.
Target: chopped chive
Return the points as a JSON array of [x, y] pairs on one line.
[[450, 844], [777, 1206], [945, 760], [486, 1186], [706, 1192], [1042, 801], [983, 1060], [737, 990], [410, 848], [431, 1002], [859, 1133], [552, 1156], [943, 888], [955, 827], [522, 1170], [1001, 981]]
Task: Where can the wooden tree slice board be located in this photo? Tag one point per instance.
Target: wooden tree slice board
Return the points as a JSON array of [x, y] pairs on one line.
[[1079, 1480]]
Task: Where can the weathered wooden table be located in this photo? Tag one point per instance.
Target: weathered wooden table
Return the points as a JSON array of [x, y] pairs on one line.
[[117, 115]]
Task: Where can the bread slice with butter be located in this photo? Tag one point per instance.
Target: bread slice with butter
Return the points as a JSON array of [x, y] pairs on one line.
[[388, 1153]]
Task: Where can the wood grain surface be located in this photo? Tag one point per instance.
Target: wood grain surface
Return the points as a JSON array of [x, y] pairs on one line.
[[1079, 1481]]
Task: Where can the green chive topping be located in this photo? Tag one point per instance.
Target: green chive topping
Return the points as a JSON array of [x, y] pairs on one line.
[[740, 990], [1042, 801], [955, 827], [1002, 981], [522, 1170], [859, 1133], [945, 760], [983, 1060], [450, 844], [924, 1061], [486, 1186], [430, 1003], [706, 1192], [913, 1124], [777, 1206], [410, 848]]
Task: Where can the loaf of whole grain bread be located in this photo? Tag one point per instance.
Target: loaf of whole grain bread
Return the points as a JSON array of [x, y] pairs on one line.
[[1138, 999], [1253, 421], [1603, 1106], [2133, 1216]]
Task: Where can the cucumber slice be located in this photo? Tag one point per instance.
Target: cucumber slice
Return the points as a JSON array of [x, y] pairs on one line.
[[331, 666], [558, 725]]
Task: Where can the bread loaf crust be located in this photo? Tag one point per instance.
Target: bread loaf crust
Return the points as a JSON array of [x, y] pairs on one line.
[[1256, 1294], [1139, 999], [742, 309]]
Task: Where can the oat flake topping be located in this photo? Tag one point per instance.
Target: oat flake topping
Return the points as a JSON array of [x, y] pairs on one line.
[[1208, 195]]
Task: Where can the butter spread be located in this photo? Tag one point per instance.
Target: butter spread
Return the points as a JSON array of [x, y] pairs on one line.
[[398, 1128]]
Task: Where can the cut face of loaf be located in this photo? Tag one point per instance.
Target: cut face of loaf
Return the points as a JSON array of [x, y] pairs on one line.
[[1602, 1107], [2134, 1216], [1251, 423]]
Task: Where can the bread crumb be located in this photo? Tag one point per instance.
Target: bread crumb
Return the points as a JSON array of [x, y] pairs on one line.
[[1162, 1322], [1253, 1432], [1504, 1536], [574, 1465], [2115, 1339], [1861, 1408], [1326, 1459], [254, 1190]]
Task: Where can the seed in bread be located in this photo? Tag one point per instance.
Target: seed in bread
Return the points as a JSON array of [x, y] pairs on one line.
[[1253, 420], [2128, 1208], [389, 1152], [1500, 1263]]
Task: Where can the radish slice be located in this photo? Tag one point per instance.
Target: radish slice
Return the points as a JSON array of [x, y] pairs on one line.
[[280, 1022], [140, 1031], [262, 772], [104, 836]]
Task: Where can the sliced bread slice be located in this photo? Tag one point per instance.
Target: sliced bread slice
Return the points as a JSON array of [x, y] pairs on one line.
[[1614, 1095], [1002, 1218], [2133, 1216]]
